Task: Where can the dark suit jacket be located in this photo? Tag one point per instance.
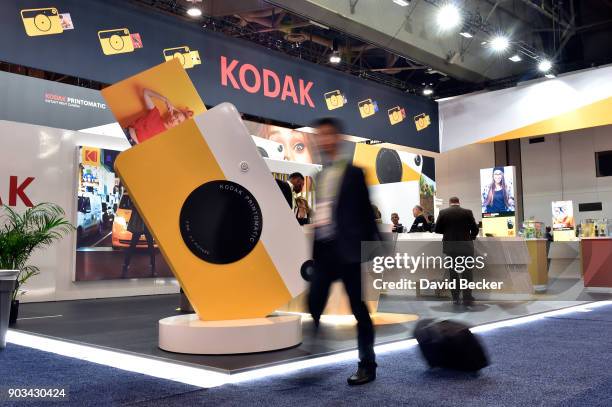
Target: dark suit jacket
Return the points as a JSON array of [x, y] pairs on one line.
[[424, 226], [457, 225], [353, 217]]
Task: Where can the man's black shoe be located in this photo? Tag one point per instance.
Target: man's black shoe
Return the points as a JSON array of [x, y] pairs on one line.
[[363, 375], [456, 301], [468, 301]]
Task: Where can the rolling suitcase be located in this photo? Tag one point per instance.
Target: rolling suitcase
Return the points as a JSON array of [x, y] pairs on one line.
[[450, 344]]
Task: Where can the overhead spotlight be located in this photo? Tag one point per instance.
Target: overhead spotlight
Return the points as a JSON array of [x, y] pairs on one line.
[[194, 12], [515, 58], [428, 91], [545, 65], [335, 58], [500, 43], [448, 17], [550, 75], [402, 3], [467, 31]]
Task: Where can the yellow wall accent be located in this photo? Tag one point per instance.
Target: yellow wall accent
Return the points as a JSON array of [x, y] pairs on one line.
[[498, 226], [593, 115]]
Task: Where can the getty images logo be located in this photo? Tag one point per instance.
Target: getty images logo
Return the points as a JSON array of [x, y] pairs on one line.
[[253, 80]]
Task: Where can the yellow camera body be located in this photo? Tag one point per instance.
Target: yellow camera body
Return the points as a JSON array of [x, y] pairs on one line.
[[385, 166], [195, 57], [183, 54], [41, 21], [396, 115], [422, 121], [218, 216], [116, 41], [366, 108], [334, 99]]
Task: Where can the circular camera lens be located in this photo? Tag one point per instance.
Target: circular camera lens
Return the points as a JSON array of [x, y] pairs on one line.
[[42, 22], [116, 42], [220, 222], [418, 160], [388, 166]]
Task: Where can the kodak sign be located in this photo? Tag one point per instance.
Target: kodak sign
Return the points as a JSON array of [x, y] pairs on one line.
[[252, 79]]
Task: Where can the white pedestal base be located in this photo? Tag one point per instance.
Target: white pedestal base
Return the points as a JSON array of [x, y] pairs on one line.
[[188, 334]]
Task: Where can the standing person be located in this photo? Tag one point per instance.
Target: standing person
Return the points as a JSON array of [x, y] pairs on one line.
[[298, 189], [497, 196], [344, 218], [397, 227], [459, 229], [138, 228], [420, 224]]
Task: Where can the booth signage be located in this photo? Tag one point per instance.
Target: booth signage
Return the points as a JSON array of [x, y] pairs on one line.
[[111, 40]]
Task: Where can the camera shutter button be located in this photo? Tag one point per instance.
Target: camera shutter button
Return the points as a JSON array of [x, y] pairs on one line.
[[244, 166]]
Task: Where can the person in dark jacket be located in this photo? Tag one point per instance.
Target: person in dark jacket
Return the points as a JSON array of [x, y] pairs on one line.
[[420, 223], [459, 229], [138, 228], [344, 218]]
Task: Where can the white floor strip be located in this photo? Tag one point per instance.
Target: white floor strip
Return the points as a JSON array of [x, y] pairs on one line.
[[43, 317], [204, 378]]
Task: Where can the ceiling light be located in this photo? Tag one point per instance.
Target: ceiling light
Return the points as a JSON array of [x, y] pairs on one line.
[[500, 43], [545, 65], [334, 58], [515, 58], [550, 75], [466, 34], [467, 31], [402, 3], [194, 12], [427, 91], [448, 17]]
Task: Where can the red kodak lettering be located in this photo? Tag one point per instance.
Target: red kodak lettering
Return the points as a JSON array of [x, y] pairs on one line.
[[243, 80], [19, 191], [304, 96], [226, 72], [289, 89], [267, 75]]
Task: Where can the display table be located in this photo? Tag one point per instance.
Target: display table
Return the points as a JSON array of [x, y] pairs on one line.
[[597, 261], [538, 267]]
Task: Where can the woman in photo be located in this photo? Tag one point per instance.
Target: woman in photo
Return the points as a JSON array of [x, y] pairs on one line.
[[302, 211], [152, 122], [497, 196], [296, 144]]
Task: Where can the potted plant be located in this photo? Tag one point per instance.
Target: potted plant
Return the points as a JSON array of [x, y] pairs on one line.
[[20, 234]]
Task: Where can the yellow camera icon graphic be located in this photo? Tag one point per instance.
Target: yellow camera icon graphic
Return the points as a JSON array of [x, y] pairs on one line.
[[187, 57], [422, 121], [334, 99], [41, 21], [367, 108], [117, 41], [396, 115]]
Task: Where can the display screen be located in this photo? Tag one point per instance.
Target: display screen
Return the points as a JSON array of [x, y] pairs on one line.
[[497, 192], [563, 215]]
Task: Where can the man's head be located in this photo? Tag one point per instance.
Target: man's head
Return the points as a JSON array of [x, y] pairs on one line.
[[297, 181], [328, 135], [453, 201], [417, 210], [177, 116], [394, 218]]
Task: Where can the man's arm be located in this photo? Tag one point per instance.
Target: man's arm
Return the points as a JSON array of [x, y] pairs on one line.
[[148, 96], [363, 199], [440, 224], [473, 226]]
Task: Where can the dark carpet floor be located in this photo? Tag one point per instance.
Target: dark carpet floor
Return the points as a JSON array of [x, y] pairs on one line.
[[558, 361]]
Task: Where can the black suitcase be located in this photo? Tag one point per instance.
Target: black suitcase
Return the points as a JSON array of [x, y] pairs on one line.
[[450, 344]]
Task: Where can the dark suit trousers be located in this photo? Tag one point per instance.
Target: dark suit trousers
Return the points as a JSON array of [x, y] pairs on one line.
[[465, 275], [327, 270]]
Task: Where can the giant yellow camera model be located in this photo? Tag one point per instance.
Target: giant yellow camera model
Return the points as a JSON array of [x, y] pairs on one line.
[[186, 57], [422, 121], [117, 41], [218, 216], [396, 115], [41, 21], [334, 99], [367, 108]]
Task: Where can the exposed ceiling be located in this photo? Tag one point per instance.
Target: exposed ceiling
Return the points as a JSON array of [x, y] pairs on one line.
[[403, 46]]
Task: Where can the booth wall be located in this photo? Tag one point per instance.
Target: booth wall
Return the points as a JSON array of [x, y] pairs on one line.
[[458, 174], [562, 168], [49, 156]]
